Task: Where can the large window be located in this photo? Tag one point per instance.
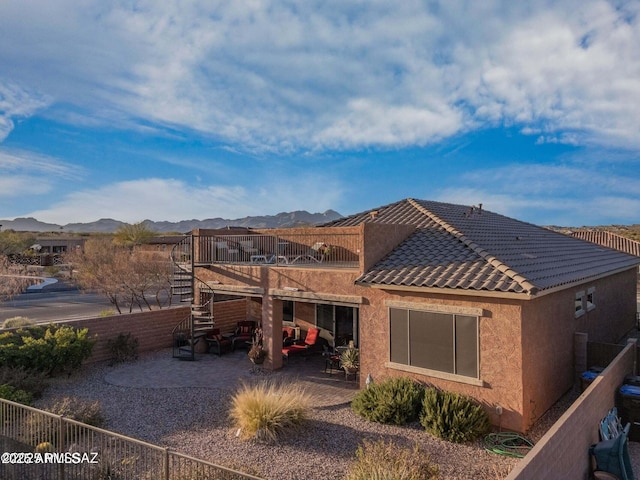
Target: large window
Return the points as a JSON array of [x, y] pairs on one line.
[[341, 321], [437, 341], [287, 311]]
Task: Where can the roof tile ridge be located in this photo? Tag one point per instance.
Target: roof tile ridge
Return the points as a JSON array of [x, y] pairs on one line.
[[485, 255]]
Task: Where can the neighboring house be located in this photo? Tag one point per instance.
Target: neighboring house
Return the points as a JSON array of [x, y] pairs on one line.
[[459, 297]]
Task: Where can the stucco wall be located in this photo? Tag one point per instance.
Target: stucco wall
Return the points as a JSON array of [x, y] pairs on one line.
[[548, 327], [526, 346], [616, 305], [499, 347]]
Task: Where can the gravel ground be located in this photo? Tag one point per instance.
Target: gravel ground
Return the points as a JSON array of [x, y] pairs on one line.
[[195, 421]]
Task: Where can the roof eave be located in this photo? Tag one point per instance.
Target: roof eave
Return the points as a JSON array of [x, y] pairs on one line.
[[534, 293], [450, 291]]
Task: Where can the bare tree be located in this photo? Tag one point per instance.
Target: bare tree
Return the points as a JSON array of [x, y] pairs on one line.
[[125, 277], [14, 279]]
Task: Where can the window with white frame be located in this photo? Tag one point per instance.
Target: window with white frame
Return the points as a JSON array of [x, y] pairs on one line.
[[579, 304], [591, 302], [444, 342]]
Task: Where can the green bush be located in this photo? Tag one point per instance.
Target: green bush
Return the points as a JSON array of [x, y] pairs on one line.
[[265, 410], [85, 411], [32, 381], [395, 401], [52, 349], [123, 348], [15, 395], [15, 322], [452, 416], [382, 461]]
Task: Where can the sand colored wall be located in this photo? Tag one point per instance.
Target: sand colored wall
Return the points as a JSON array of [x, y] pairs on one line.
[[227, 314], [563, 451], [499, 347], [152, 329], [615, 312], [379, 240], [548, 327]]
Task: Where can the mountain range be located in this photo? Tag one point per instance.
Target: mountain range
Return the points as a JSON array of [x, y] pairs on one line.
[[298, 218]]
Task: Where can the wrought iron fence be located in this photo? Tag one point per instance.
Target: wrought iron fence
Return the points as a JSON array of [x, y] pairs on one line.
[[291, 249], [41, 445]]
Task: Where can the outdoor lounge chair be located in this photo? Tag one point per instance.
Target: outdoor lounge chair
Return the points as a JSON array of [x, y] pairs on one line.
[[216, 342], [311, 343], [316, 253], [243, 336]]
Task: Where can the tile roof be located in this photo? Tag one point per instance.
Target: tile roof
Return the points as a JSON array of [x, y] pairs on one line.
[[461, 247]]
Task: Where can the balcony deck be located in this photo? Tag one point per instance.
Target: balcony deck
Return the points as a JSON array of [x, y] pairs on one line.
[[335, 250]]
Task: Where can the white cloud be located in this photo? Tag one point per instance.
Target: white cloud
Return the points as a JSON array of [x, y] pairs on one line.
[[16, 102], [27, 173], [293, 75], [550, 194], [174, 200]]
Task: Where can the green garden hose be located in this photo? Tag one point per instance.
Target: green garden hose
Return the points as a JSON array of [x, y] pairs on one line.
[[507, 443]]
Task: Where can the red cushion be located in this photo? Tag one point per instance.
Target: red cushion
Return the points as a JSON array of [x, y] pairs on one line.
[[312, 336], [293, 349], [245, 329]]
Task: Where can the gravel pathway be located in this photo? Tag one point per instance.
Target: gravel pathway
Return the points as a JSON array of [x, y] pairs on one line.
[[194, 420]]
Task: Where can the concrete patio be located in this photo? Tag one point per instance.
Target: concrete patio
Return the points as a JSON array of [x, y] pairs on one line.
[[160, 370]]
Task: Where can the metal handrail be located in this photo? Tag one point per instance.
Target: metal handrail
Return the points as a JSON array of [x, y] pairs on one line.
[[290, 249]]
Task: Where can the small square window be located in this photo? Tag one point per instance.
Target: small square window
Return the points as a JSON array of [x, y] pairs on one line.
[[591, 303], [578, 304]]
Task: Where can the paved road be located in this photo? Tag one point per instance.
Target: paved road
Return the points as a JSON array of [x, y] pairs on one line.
[[54, 303]]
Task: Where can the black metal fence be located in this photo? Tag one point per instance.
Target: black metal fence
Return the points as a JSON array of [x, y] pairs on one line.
[[40, 445]]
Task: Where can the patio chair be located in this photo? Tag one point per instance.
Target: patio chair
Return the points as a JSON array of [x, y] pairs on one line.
[[243, 336], [224, 253], [288, 336], [612, 453], [316, 253], [312, 342], [217, 343]]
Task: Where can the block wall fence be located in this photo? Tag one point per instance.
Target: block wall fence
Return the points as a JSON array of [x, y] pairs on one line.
[[564, 450], [152, 329]]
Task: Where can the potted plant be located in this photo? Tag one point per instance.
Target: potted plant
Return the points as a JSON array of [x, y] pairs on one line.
[[257, 354], [350, 360]]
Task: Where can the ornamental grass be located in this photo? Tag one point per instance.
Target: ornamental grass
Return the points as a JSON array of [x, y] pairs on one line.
[[265, 410]]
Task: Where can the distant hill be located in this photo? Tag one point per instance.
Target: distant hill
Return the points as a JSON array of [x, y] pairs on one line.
[[107, 225]]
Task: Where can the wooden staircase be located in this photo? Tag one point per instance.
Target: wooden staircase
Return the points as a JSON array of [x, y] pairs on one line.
[[191, 330]]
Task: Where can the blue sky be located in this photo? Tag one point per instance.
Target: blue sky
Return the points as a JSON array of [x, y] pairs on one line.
[[172, 110]]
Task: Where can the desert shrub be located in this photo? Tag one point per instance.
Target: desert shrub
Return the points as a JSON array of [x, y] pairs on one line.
[[85, 411], [395, 401], [382, 461], [15, 322], [108, 312], [15, 395], [452, 416], [123, 348], [52, 349], [265, 410], [44, 447], [32, 381]]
